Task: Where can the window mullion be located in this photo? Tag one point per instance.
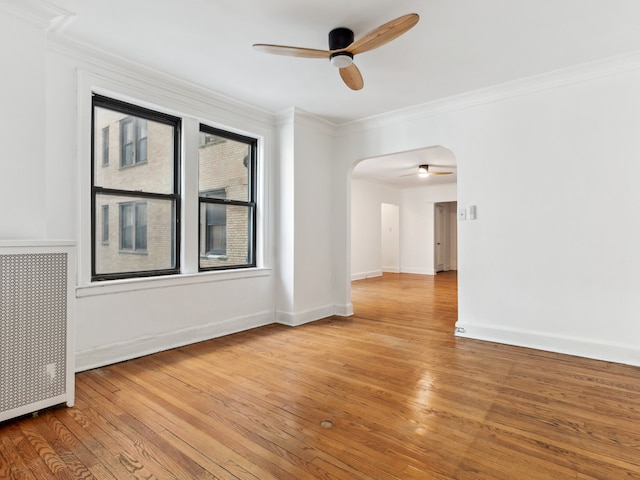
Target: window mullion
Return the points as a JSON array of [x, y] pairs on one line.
[[189, 187]]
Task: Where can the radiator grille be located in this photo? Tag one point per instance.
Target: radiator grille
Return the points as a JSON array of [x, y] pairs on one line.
[[33, 328]]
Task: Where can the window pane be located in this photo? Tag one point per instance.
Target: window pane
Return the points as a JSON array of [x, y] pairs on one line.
[[142, 156], [225, 245], [141, 153], [141, 226], [145, 227], [217, 239], [105, 146], [214, 222], [126, 226], [105, 224], [126, 142], [223, 166]]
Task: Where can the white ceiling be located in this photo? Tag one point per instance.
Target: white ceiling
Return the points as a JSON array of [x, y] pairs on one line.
[[401, 169], [458, 45]]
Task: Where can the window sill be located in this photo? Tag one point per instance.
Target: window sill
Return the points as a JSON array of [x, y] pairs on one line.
[[211, 256], [111, 287]]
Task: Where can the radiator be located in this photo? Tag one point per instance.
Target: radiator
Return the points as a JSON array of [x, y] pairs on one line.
[[37, 305]]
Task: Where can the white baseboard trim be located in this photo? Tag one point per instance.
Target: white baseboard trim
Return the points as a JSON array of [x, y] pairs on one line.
[[114, 353], [344, 310], [580, 347], [390, 270], [363, 275], [418, 271], [295, 319]]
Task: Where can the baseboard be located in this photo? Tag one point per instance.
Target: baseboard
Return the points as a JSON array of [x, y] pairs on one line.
[[109, 354], [390, 270], [344, 310], [580, 347], [418, 271], [363, 275], [294, 319]]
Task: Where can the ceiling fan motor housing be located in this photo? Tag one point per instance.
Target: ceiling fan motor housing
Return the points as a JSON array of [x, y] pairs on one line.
[[340, 38]]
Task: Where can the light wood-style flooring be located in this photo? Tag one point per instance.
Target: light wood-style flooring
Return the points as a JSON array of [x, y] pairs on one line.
[[406, 400]]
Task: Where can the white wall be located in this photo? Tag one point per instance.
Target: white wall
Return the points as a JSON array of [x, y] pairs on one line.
[[366, 248], [551, 163], [22, 129], [285, 232], [47, 84], [46, 93], [390, 238], [306, 248], [117, 320], [416, 236], [552, 260], [417, 226]]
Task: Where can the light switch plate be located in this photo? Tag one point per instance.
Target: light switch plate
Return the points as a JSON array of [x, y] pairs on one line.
[[462, 214], [472, 212]]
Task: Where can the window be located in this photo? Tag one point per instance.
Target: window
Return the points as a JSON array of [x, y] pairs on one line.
[[133, 226], [136, 198], [105, 146], [145, 199], [215, 225], [133, 141], [105, 223], [227, 189]]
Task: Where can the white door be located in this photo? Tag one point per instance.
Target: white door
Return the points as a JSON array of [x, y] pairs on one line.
[[440, 237]]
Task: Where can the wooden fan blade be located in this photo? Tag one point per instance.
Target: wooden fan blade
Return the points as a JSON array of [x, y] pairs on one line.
[[352, 77], [292, 51], [383, 34], [431, 172]]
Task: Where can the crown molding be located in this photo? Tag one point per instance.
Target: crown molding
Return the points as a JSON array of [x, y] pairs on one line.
[[557, 78], [199, 99], [296, 115], [42, 14]]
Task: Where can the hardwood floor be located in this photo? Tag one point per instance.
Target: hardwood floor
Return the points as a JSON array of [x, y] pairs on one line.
[[406, 398]]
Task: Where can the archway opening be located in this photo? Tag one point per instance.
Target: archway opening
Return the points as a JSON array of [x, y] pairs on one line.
[[394, 180]]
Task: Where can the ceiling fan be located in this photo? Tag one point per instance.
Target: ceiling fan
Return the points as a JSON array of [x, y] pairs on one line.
[[425, 170], [342, 47]]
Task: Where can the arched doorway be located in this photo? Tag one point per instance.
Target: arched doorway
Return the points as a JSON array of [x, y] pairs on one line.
[[395, 180]]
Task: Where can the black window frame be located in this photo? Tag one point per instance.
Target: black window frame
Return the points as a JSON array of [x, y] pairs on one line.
[[100, 101], [250, 204]]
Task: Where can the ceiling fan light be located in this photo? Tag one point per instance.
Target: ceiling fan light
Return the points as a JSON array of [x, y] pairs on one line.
[[423, 170], [341, 59]]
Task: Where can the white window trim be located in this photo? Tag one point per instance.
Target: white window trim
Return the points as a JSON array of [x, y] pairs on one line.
[[169, 99]]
